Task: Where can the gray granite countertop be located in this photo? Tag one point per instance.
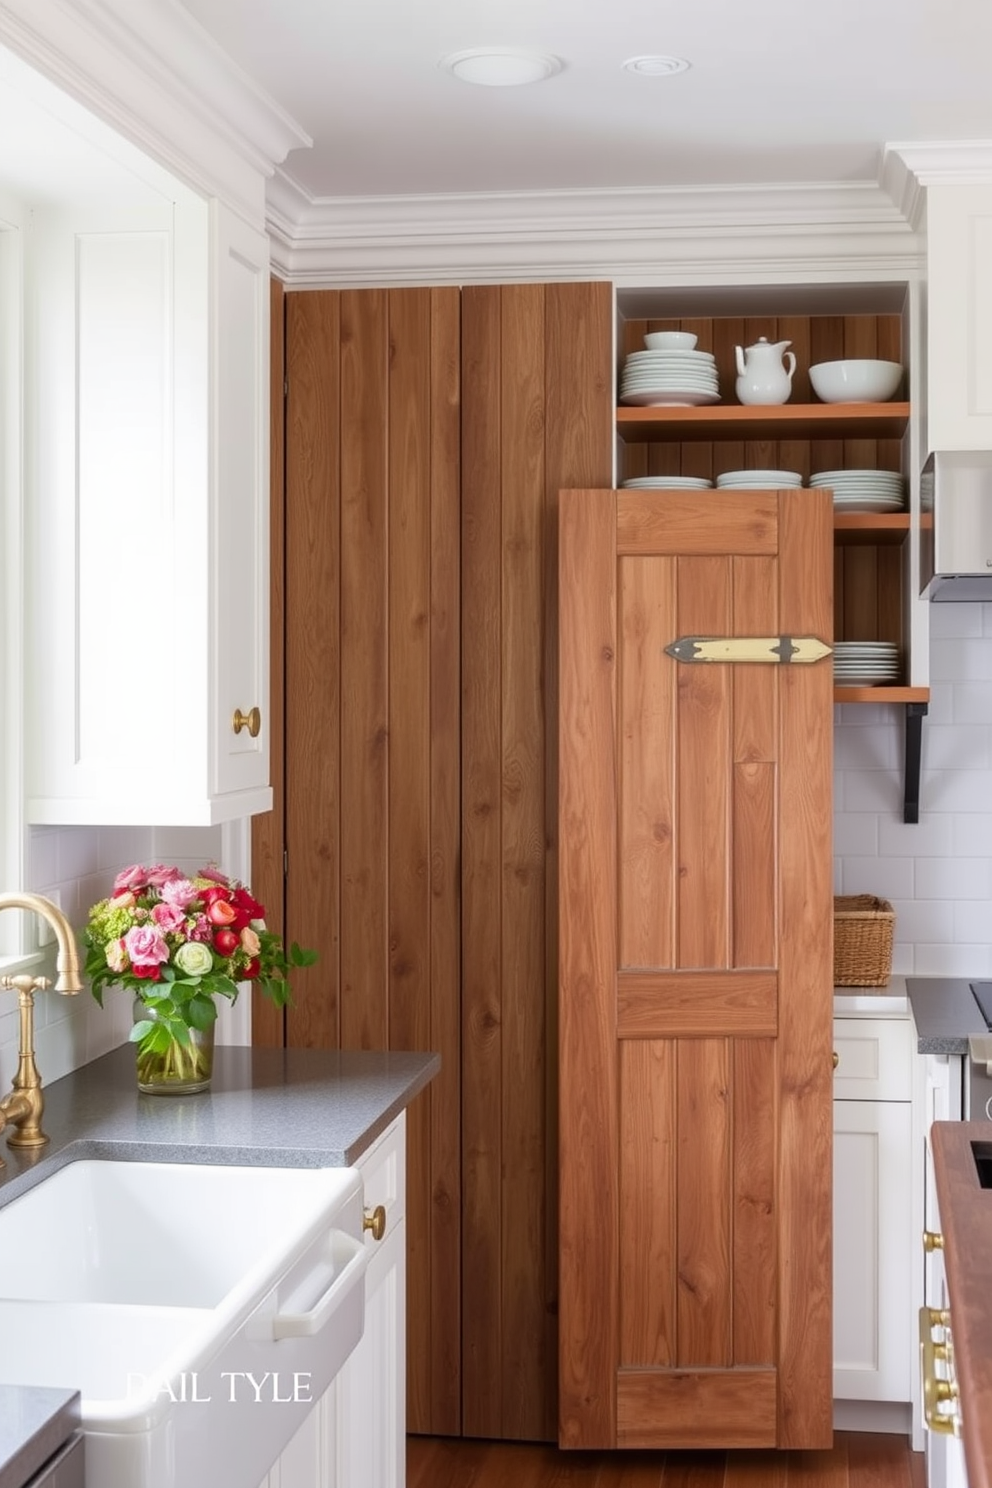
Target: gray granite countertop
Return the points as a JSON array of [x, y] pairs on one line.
[[309, 1108], [945, 1014], [34, 1423]]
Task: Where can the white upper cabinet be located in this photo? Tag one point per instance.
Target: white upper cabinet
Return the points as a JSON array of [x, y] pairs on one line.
[[958, 404], [146, 522]]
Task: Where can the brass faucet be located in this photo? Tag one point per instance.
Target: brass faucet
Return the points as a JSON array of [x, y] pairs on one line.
[[22, 1106]]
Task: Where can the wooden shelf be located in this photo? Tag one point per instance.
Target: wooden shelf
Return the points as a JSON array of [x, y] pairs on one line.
[[881, 694], [780, 421], [873, 529]]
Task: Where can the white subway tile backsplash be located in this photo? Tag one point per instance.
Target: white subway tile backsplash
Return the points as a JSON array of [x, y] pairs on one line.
[[956, 790], [931, 837], [872, 790], [953, 960], [890, 878], [954, 878], [924, 920], [855, 834], [957, 746], [962, 660], [971, 703], [866, 748], [972, 833], [972, 921], [955, 621]]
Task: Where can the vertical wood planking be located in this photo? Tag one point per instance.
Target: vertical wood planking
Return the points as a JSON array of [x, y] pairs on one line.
[[703, 767], [755, 1211], [408, 921], [579, 440], [646, 853], [588, 1134], [313, 662], [647, 1203], [703, 1193], [268, 830], [364, 669], [805, 982], [522, 1139], [482, 800], [444, 1414], [754, 752]]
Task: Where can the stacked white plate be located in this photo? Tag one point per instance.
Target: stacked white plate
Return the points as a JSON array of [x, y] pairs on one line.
[[866, 663], [759, 480], [863, 490], [654, 379], [669, 483]]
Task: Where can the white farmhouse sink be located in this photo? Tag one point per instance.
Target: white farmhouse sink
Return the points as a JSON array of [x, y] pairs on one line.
[[199, 1310]]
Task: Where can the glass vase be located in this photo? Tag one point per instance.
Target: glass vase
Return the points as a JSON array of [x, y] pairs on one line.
[[178, 1069]]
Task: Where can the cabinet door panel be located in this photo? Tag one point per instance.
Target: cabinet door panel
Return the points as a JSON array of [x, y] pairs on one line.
[[706, 1254], [873, 1340]]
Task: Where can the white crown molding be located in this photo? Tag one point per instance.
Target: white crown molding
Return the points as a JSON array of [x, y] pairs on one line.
[[683, 235], [909, 168], [159, 79]]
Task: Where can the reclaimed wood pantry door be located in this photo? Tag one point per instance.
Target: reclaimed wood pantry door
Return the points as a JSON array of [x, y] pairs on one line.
[[695, 974]]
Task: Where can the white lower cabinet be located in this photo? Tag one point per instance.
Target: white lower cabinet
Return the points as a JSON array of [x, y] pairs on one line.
[[874, 1232], [355, 1437]]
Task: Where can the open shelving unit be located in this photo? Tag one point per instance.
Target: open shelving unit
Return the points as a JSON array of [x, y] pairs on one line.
[[871, 567]]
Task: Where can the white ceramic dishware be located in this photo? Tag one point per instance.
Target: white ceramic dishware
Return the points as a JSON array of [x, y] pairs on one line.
[[764, 372], [855, 380], [670, 340]]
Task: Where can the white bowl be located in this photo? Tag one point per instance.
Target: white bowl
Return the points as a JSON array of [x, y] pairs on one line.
[[670, 340], [858, 380]]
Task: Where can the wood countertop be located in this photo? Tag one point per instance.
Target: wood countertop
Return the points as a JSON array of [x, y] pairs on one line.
[[966, 1224]]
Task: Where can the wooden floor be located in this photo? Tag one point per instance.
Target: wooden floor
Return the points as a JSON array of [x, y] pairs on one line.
[[858, 1460]]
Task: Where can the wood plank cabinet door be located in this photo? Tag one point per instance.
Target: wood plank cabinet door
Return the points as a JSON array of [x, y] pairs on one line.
[[695, 988]]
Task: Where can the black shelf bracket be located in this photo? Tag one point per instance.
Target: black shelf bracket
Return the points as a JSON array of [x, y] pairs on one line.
[[915, 714]]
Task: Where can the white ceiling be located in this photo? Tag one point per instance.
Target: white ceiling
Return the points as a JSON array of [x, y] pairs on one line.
[[778, 90]]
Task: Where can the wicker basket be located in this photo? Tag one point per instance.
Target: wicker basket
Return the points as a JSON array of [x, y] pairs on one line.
[[863, 927]]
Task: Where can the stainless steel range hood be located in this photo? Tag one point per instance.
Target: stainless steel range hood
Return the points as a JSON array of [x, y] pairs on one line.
[[956, 526]]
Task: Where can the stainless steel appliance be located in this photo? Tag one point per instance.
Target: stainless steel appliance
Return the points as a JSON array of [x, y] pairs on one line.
[[978, 1075], [956, 526]]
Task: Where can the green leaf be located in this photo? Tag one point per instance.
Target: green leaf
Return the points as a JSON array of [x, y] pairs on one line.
[[201, 1012], [301, 957], [141, 1030]]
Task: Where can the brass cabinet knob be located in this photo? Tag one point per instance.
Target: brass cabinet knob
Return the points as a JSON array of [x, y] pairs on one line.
[[835, 1061], [932, 1240], [252, 721], [376, 1221]]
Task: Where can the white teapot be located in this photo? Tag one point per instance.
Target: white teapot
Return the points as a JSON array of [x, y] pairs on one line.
[[765, 376]]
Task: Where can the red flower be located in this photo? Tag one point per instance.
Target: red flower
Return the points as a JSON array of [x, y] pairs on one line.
[[146, 972], [248, 905], [251, 971]]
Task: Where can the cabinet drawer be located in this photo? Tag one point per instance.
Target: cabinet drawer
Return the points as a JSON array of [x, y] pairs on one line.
[[383, 1170], [875, 1059]]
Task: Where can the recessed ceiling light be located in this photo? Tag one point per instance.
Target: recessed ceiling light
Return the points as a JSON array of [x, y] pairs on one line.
[[655, 66], [500, 67]]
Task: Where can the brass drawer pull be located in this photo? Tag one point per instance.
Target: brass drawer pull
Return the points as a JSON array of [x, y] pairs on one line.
[[932, 1240], [936, 1392], [376, 1221], [835, 1059]]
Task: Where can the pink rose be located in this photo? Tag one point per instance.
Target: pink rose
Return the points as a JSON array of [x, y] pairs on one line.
[[168, 918], [116, 955], [134, 877], [159, 874], [215, 876], [179, 891], [145, 944]]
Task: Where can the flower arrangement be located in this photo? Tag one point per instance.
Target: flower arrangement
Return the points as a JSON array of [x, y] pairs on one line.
[[178, 942]]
